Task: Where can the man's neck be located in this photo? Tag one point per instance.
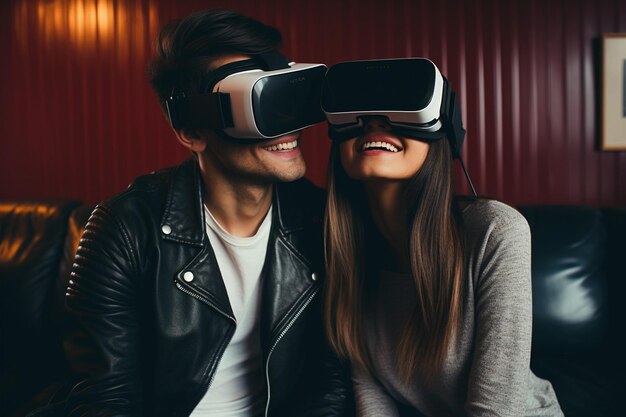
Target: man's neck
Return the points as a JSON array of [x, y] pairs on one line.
[[238, 206]]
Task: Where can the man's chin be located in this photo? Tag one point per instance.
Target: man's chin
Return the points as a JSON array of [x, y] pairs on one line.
[[291, 175], [271, 176], [285, 170]]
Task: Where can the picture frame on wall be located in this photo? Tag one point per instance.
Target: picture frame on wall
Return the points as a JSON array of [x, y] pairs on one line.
[[613, 94]]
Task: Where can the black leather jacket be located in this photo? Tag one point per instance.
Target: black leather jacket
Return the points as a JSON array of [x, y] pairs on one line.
[[147, 290]]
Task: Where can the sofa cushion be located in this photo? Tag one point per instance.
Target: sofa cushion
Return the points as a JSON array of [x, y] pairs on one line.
[[31, 242], [571, 312], [570, 294]]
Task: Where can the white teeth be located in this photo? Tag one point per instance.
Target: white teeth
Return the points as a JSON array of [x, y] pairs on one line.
[[383, 145], [282, 146]]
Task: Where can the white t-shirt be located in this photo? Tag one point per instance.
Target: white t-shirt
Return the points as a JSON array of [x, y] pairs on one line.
[[238, 387]]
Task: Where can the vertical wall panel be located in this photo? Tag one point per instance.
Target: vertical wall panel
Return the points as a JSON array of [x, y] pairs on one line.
[[78, 118]]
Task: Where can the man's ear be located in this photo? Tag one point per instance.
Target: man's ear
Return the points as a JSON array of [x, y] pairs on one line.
[[191, 139]]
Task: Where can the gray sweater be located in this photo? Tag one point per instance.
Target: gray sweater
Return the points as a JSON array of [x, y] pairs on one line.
[[487, 371]]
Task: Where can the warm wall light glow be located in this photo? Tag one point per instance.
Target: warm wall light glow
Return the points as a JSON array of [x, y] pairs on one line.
[[94, 20], [21, 24], [106, 24], [83, 23]]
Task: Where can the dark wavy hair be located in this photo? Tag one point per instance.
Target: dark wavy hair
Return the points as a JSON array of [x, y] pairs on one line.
[[186, 47]]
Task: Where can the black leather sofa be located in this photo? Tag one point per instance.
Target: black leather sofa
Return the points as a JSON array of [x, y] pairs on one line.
[[578, 288], [38, 241]]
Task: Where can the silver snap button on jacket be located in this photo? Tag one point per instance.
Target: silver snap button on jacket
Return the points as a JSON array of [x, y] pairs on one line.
[[188, 276]]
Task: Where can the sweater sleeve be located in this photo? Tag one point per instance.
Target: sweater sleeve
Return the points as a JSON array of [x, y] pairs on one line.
[[371, 398], [503, 300]]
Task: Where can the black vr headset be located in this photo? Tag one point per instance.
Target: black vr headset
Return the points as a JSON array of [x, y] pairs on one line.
[[253, 100], [410, 93]]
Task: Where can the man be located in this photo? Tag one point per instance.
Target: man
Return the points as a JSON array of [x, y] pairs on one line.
[[198, 286]]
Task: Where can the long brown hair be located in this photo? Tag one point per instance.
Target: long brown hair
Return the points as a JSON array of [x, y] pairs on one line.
[[436, 253]]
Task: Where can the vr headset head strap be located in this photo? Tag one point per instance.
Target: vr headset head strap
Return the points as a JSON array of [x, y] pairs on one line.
[[271, 61], [452, 120]]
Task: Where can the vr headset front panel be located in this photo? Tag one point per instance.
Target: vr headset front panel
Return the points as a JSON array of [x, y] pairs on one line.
[[405, 91], [268, 104], [288, 102]]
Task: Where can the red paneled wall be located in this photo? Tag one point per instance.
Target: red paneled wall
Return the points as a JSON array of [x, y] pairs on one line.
[[78, 119]]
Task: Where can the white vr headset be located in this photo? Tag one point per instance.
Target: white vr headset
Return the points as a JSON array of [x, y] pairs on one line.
[[253, 100], [409, 93]]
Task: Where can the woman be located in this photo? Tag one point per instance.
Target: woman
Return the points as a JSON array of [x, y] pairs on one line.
[[428, 296]]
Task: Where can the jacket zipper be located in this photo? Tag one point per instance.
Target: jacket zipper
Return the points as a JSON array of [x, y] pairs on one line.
[[280, 336], [222, 348], [206, 301]]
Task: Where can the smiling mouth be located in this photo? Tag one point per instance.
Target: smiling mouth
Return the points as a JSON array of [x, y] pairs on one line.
[[282, 147], [379, 146]]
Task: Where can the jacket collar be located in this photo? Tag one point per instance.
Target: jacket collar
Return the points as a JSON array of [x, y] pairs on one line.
[[183, 219]]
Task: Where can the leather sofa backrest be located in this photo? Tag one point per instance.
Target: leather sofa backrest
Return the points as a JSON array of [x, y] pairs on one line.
[[32, 240], [614, 220], [579, 281], [570, 292]]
